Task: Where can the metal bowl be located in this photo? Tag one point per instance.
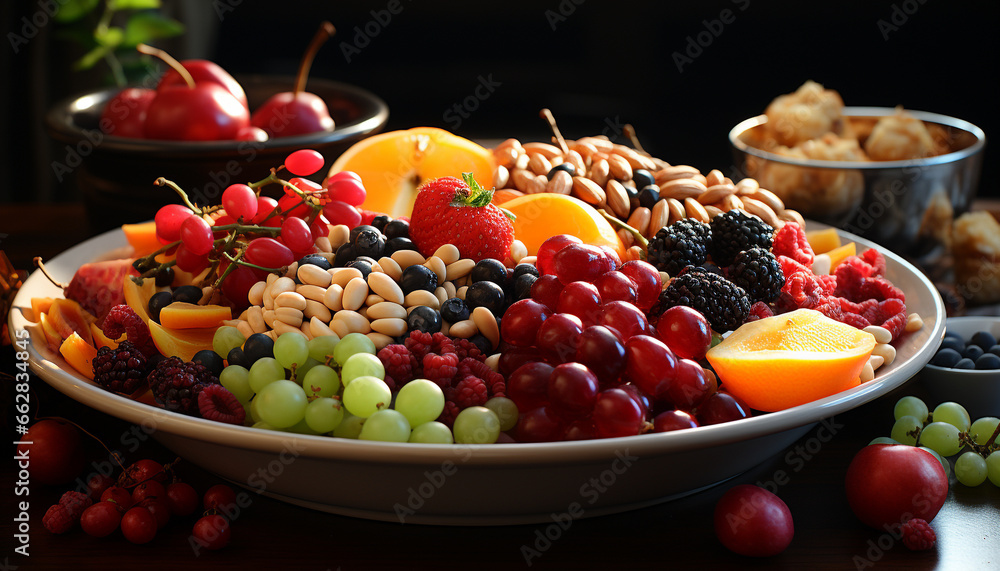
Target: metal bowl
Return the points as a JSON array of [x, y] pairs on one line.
[[900, 204]]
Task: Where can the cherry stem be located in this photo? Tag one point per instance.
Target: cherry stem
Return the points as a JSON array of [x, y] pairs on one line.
[[112, 454], [169, 60], [323, 34], [187, 202], [551, 120], [621, 225], [238, 261], [45, 272]]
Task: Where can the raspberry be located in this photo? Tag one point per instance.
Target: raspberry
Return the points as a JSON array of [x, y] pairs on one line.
[[176, 384], [440, 369], [218, 404], [881, 311], [854, 320], [467, 349], [419, 343], [123, 319], [879, 288], [449, 413], [790, 240], [494, 380], [75, 503], [828, 283], [441, 344], [367, 216], [120, 370], [790, 266], [57, 519], [400, 364], [470, 391], [918, 535], [895, 324], [804, 289], [875, 260], [759, 310]]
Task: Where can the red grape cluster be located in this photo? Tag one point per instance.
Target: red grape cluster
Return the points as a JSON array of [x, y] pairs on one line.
[[250, 234], [585, 362]]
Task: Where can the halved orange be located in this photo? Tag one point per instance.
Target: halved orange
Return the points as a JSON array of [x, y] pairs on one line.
[[392, 165], [543, 215], [791, 359]]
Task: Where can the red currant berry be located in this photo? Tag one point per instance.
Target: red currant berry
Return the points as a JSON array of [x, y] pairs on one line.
[[219, 496], [212, 532], [138, 525], [304, 162], [100, 519], [183, 498], [240, 201]]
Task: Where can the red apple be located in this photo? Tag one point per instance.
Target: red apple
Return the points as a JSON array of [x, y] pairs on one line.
[[888, 484], [124, 114], [204, 71], [752, 521]]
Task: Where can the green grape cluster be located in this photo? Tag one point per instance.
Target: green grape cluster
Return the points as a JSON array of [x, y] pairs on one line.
[[948, 431]]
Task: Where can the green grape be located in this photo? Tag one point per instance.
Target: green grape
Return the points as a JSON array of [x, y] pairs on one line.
[[476, 425], [954, 414], [944, 461], [265, 426], [432, 432], [254, 413], [302, 427], [361, 365], [352, 344], [385, 425], [911, 406], [290, 349], [993, 467], [321, 381], [236, 379], [282, 403], [420, 401], [365, 395], [971, 469], [941, 437], [879, 440], [264, 371], [303, 370], [506, 411], [226, 339], [322, 347], [982, 430], [324, 414], [906, 429], [349, 427]]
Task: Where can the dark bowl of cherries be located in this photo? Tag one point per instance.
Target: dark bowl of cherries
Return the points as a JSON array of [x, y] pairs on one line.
[[202, 129], [966, 367]]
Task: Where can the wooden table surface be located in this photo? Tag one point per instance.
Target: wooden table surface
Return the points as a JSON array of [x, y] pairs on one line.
[[672, 535]]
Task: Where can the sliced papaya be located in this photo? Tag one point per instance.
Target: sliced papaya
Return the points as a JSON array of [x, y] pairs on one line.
[[181, 315], [822, 241], [839, 254], [79, 354], [142, 238], [68, 317], [52, 337], [137, 296], [183, 343], [40, 305]]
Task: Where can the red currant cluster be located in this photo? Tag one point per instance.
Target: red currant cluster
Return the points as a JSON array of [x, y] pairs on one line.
[[586, 362], [250, 234], [141, 502]]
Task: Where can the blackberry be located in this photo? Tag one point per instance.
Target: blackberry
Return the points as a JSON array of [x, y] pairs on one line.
[[724, 304], [683, 243], [121, 370], [176, 384], [735, 231], [758, 272]]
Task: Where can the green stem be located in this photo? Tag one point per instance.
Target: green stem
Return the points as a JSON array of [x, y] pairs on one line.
[[623, 226], [116, 69], [238, 260], [187, 202]]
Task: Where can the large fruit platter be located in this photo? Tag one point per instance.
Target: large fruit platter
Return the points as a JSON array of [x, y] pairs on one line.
[[601, 327]]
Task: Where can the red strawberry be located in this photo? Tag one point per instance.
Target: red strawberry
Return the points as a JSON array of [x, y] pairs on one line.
[[449, 211], [97, 286]]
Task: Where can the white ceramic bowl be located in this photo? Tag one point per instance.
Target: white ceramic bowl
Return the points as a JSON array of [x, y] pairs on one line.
[[977, 391], [484, 484]]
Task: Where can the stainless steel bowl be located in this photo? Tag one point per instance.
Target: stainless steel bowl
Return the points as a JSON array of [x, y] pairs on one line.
[[905, 205]]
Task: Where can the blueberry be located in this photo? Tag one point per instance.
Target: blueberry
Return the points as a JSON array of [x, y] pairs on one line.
[[418, 277], [953, 343], [648, 196], [983, 339], [642, 177], [397, 229], [396, 244], [380, 221], [357, 230], [489, 270], [568, 167], [948, 333], [485, 294], [454, 310], [522, 286], [257, 346], [369, 243], [995, 350], [211, 360], [988, 361], [965, 364], [345, 253], [423, 318], [236, 356], [165, 277], [972, 352], [946, 358], [317, 260], [187, 293], [521, 269], [482, 343], [363, 266], [157, 302]]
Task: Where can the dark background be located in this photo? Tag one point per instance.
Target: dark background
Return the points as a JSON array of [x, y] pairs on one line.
[[603, 64]]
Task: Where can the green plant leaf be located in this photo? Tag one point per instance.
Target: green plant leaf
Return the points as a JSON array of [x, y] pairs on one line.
[[92, 57], [133, 4], [111, 37], [146, 26], [73, 10]]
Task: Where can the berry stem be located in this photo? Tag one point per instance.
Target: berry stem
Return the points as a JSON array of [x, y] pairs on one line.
[[323, 34], [169, 60], [623, 226], [45, 272]]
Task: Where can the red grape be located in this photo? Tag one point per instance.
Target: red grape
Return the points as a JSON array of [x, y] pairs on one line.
[[539, 425], [347, 189], [338, 212], [141, 471], [159, 507], [219, 496], [119, 496], [168, 221], [651, 365], [212, 532], [196, 235], [889, 483], [546, 290], [559, 335], [580, 430], [265, 206], [240, 201], [582, 300], [269, 253], [304, 162], [305, 185], [579, 263], [148, 489], [319, 227], [721, 407], [251, 133], [617, 414], [752, 521], [616, 286], [572, 390], [56, 452], [689, 386], [223, 220], [528, 385], [601, 351], [549, 248], [671, 420], [288, 203], [138, 525], [514, 357], [183, 498], [100, 519], [624, 317], [341, 176], [685, 331], [614, 260], [647, 280], [237, 285], [96, 485], [189, 261], [295, 233], [521, 321], [640, 398]]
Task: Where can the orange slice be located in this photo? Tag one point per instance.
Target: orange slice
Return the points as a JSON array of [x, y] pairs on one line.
[[543, 215], [392, 165], [791, 359]]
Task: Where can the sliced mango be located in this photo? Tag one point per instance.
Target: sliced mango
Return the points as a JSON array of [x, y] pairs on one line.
[[137, 296], [181, 315], [822, 241], [183, 343], [52, 337], [40, 305], [838, 255], [142, 238], [79, 354], [68, 317]]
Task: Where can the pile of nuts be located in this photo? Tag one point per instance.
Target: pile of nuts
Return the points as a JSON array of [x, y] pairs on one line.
[[645, 192], [317, 301]]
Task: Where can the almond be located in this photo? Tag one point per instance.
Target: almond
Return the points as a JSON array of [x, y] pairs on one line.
[[600, 171], [539, 164], [658, 217], [587, 190], [747, 186], [695, 210], [761, 210], [640, 219], [676, 210], [561, 183], [617, 198], [501, 177], [716, 193], [713, 178], [682, 188], [673, 173], [544, 149], [620, 169]]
